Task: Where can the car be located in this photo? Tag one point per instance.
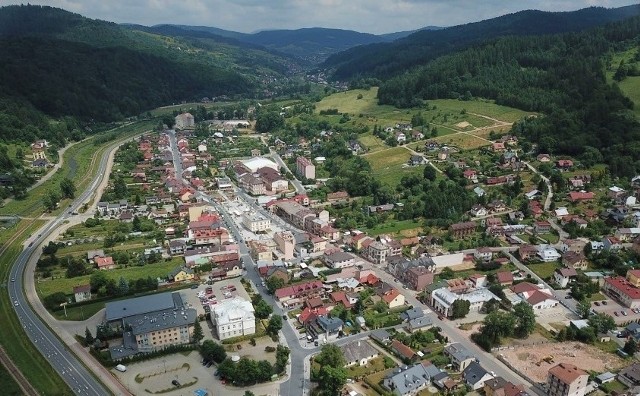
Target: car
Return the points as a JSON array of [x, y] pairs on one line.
[[315, 343], [567, 297], [284, 317], [13, 279], [624, 313], [604, 303], [16, 303], [616, 313], [597, 303], [209, 364], [175, 383]]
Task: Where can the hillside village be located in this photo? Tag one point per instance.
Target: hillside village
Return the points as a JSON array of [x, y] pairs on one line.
[[537, 231]]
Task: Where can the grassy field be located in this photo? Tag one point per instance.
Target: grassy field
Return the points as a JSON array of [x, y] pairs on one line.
[[544, 270], [372, 143], [65, 285], [463, 140], [447, 112], [403, 228], [391, 164], [630, 86], [7, 384]]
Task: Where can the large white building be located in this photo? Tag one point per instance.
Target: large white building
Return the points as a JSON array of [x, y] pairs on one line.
[[256, 223], [233, 318], [443, 299], [184, 121], [256, 163]]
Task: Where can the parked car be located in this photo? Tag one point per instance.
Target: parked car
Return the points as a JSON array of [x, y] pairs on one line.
[[604, 303], [175, 383], [597, 303], [616, 313], [624, 313]]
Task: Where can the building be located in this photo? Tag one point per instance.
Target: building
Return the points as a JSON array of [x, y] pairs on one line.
[[302, 290], [562, 276], [460, 356], [256, 163], [184, 121], [566, 379], [462, 230], [574, 260], [150, 322], [104, 263], [340, 260], [181, 274], [538, 298], [483, 254], [286, 243], [443, 298], [378, 252], [417, 278], [630, 375], [624, 290], [256, 223], [498, 386], [82, 293], [305, 168], [233, 318], [358, 353], [475, 376], [504, 278], [407, 381]]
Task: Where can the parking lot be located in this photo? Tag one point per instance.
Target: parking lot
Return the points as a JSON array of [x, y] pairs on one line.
[[619, 313], [220, 290]]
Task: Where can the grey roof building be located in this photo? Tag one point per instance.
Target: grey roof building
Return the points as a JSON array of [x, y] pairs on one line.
[[419, 323], [380, 335], [118, 310], [460, 356], [411, 314], [407, 381], [330, 324], [358, 352], [475, 375]]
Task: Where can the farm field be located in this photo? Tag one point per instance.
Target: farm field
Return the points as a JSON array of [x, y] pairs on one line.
[[465, 141], [391, 164]]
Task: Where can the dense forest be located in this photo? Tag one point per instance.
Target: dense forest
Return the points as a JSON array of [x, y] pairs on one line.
[[562, 76], [383, 60]]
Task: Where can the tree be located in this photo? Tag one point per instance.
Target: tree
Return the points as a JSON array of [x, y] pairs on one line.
[[330, 355], [332, 379], [460, 309], [197, 335], [525, 319], [429, 173], [447, 273], [602, 323], [274, 325], [123, 286], [135, 224], [50, 200], [212, 351], [630, 347], [262, 309], [274, 283], [67, 188], [97, 280], [583, 308], [249, 393], [265, 370], [88, 338], [282, 357]]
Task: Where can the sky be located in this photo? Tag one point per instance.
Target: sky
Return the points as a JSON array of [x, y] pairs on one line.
[[370, 16]]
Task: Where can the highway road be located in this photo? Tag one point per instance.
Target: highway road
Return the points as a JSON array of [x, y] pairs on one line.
[[63, 361]]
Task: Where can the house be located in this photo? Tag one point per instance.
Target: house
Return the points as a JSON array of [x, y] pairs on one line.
[[104, 263], [340, 260], [443, 298], [564, 164], [498, 386], [574, 260], [566, 379], [177, 247], [403, 351], [358, 353], [184, 121], [390, 295], [460, 356], [416, 160], [504, 278], [478, 211], [462, 230], [474, 376], [93, 254], [615, 192], [301, 290], [417, 278], [412, 313], [542, 227], [418, 324], [305, 168], [526, 252], [408, 381], [572, 245], [630, 375], [544, 158], [181, 274], [623, 290], [483, 254], [563, 276], [400, 137], [535, 296], [580, 196], [612, 244], [330, 325], [233, 318], [381, 335], [82, 293], [548, 253]]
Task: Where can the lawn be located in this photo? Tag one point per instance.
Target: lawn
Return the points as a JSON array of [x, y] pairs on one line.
[[372, 143], [597, 297], [61, 284], [7, 384], [609, 346], [80, 313], [405, 228], [390, 165], [544, 270], [373, 366], [463, 140]]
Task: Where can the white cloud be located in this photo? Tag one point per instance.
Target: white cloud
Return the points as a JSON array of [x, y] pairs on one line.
[[374, 16]]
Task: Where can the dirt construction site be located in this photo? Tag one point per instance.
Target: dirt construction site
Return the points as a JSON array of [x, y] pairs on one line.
[[534, 361]]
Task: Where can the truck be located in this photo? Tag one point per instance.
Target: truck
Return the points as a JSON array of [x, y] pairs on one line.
[[121, 367]]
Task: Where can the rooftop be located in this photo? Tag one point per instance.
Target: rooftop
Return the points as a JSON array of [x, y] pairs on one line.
[[121, 309]]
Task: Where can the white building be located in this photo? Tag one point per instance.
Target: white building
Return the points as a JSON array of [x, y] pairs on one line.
[[233, 318], [184, 121], [255, 222], [443, 299], [548, 253], [256, 163]]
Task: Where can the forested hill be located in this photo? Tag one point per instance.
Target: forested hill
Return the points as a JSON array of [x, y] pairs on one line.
[[68, 65], [384, 60], [562, 76]]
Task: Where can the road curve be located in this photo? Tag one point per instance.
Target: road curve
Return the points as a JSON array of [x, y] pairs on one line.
[[70, 368]]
